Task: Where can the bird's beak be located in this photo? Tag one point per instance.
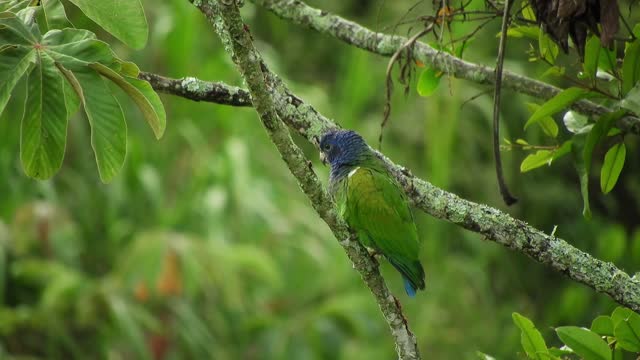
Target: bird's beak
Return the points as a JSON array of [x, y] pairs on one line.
[[323, 158]]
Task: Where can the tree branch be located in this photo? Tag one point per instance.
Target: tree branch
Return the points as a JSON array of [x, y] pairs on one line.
[[198, 90], [354, 34], [226, 20], [493, 224]]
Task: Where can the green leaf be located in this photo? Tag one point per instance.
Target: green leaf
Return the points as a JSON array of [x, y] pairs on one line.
[[54, 15], [548, 49], [613, 163], [591, 56], [547, 123], [602, 325], [627, 332], [532, 342], [530, 32], [428, 82], [527, 12], [71, 90], [108, 127], [14, 31], [631, 101], [584, 342], [14, 62], [544, 157], [142, 94], [13, 5], [123, 19], [577, 150], [599, 130], [620, 314], [557, 103], [76, 49], [631, 66], [44, 126]]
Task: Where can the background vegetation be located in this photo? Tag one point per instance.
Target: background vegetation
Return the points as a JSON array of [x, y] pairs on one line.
[[204, 247]]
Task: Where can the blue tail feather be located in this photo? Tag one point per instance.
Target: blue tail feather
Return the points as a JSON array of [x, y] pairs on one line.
[[411, 291]]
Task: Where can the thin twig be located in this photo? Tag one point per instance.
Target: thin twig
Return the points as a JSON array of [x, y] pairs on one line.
[[504, 190], [389, 81]]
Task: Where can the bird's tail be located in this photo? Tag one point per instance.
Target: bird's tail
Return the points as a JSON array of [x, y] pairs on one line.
[[412, 274]]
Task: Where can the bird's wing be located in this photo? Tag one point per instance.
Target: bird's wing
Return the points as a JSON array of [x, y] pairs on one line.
[[376, 205]]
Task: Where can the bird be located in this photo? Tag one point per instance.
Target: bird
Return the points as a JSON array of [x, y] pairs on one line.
[[373, 204]]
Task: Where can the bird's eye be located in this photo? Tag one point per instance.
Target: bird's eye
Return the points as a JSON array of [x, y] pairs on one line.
[[326, 147]]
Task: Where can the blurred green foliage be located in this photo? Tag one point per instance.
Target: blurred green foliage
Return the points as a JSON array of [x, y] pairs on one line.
[[203, 246]]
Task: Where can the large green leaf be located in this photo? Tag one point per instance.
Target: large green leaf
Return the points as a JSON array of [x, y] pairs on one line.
[[428, 81], [591, 56], [14, 62], [14, 31], [54, 15], [142, 94], [44, 125], [584, 342], [532, 342], [544, 157], [124, 19], [602, 325], [557, 103], [612, 166], [108, 127], [547, 123], [627, 332], [631, 66], [13, 5], [76, 49]]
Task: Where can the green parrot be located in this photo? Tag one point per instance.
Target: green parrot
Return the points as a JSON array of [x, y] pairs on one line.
[[371, 201]]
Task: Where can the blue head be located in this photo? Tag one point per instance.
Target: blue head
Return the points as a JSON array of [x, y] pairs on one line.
[[342, 149]]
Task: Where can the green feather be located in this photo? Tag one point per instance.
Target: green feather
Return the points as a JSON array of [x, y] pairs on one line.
[[373, 204]]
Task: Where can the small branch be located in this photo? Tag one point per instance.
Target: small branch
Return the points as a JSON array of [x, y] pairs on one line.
[[198, 90], [354, 34], [226, 20], [504, 190]]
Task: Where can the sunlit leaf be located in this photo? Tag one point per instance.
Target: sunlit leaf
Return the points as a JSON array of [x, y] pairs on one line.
[[530, 338], [124, 19], [13, 31], [612, 166], [557, 103], [620, 314], [76, 48], [14, 63], [547, 123], [631, 66], [44, 125], [142, 94], [627, 332], [584, 342], [548, 48], [544, 157], [108, 127], [591, 56], [54, 15], [428, 82]]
